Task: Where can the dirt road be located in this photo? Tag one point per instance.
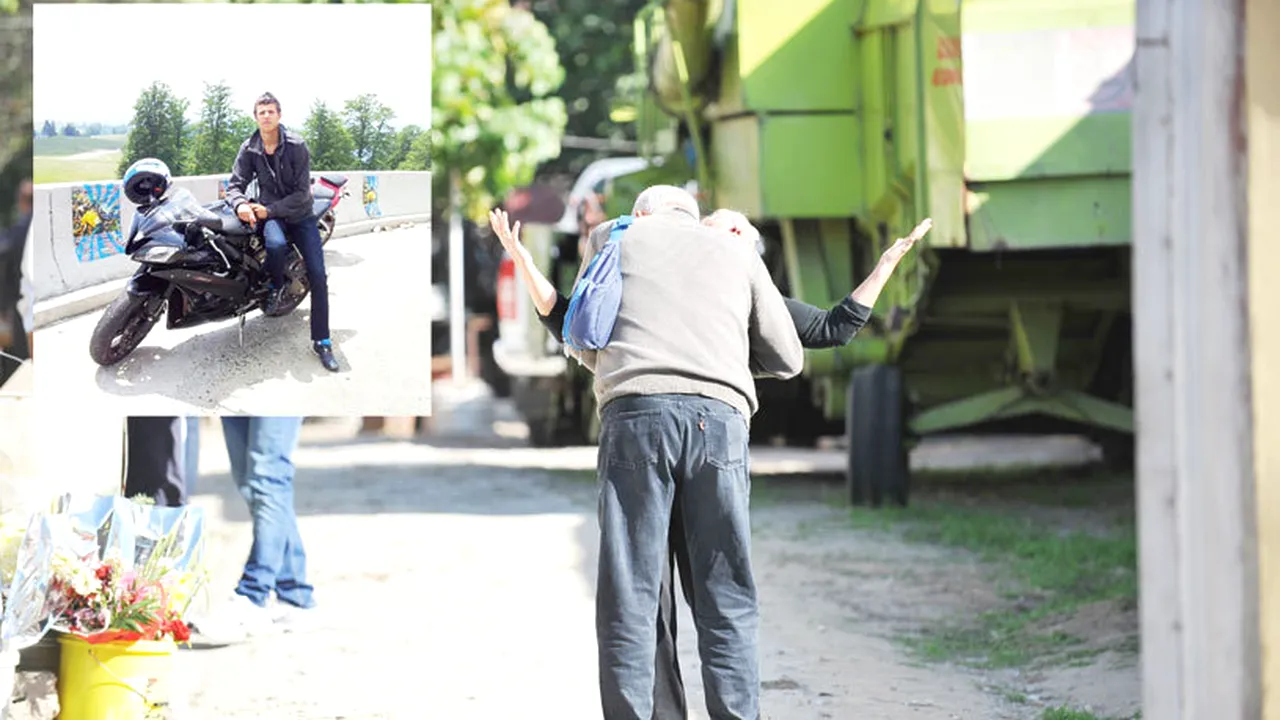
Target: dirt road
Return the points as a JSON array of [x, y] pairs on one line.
[[458, 583]]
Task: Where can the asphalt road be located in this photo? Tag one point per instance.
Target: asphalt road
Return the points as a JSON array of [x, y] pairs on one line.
[[379, 294]]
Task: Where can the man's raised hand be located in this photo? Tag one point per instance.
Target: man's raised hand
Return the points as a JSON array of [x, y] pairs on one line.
[[902, 246]]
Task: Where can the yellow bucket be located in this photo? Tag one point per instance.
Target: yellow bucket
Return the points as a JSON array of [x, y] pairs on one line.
[[115, 680]]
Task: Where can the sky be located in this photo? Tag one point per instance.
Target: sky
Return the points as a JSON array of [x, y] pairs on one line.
[[92, 61]]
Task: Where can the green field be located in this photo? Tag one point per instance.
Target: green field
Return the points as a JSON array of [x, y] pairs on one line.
[[55, 169], [77, 159], [61, 145]]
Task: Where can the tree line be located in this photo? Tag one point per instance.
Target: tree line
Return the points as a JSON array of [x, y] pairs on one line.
[[50, 129], [359, 135]]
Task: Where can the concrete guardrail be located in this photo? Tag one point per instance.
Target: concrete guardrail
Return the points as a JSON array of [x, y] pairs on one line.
[[79, 228]]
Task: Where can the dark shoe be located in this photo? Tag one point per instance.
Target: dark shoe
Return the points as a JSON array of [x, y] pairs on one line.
[[324, 349], [272, 306]]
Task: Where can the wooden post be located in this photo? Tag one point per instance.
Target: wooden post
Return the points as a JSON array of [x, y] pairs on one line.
[[1198, 544], [1262, 73]]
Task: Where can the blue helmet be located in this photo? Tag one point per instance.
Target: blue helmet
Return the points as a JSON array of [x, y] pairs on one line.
[[146, 180]]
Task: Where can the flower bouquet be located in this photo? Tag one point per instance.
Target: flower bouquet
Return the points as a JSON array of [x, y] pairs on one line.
[[121, 575], [126, 571], [102, 601]]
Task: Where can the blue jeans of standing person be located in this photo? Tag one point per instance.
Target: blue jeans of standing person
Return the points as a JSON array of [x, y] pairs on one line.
[[652, 449], [306, 236], [261, 450]]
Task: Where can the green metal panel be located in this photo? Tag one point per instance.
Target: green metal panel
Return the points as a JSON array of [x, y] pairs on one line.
[[809, 166], [872, 14], [1072, 65], [1058, 212], [941, 125], [1047, 147], [796, 55]]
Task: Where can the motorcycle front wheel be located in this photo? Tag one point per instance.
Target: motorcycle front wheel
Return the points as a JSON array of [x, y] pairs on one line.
[[123, 327], [296, 285]]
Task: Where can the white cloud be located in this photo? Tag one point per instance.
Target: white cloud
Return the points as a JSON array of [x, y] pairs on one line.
[[92, 61]]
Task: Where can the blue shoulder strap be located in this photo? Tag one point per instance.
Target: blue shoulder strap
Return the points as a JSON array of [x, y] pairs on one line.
[[575, 300]]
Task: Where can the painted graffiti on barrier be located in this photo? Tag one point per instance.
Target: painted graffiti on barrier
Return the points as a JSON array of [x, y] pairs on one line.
[[370, 197], [95, 221], [222, 189]]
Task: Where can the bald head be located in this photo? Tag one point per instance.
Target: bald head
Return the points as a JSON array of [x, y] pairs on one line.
[[735, 223], [664, 198]]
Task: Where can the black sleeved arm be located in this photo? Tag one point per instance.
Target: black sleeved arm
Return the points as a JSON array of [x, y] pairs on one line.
[[554, 322], [820, 328]]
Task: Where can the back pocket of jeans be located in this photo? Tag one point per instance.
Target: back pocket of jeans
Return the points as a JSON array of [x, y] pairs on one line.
[[725, 440], [631, 440]]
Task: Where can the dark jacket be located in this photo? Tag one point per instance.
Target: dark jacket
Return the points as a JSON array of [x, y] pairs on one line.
[[286, 195]]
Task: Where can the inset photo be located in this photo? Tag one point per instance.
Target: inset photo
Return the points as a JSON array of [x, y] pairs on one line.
[[238, 227]]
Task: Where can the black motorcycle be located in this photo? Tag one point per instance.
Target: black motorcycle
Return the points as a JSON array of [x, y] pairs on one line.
[[201, 263]]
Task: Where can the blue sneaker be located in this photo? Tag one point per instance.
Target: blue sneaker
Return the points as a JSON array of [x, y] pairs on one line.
[[324, 348]]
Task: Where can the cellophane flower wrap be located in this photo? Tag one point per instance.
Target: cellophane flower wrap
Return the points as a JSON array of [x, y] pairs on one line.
[[26, 574], [125, 571]]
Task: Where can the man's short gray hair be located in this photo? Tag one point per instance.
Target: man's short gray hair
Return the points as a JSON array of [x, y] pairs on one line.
[[737, 223], [664, 198]]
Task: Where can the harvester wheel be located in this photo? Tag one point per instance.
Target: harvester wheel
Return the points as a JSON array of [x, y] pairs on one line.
[[874, 424]]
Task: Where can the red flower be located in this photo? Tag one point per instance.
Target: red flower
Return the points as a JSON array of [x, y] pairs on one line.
[[103, 572], [181, 632]]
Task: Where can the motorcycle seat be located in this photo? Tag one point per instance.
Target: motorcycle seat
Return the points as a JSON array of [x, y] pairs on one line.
[[320, 192], [334, 179]]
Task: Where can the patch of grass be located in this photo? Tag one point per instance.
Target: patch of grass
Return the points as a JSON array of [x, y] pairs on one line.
[[1063, 713], [63, 145], [52, 169], [580, 476], [1016, 697], [1054, 572], [1072, 565]]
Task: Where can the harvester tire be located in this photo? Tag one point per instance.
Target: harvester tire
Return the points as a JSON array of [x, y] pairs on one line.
[[874, 423]]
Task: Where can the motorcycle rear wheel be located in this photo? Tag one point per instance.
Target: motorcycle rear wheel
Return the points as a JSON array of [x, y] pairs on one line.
[[325, 224], [122, 327]]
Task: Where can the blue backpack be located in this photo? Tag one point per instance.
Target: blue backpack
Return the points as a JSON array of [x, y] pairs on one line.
[[593, 308]]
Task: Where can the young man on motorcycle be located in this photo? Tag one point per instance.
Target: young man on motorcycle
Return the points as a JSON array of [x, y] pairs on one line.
[[281, 163]]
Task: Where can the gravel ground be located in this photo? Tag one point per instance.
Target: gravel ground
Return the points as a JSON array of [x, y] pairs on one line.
[[455, 578]]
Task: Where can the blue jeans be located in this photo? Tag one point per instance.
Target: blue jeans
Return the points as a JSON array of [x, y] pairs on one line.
[[305, 234], [260, 449], [654, 449]]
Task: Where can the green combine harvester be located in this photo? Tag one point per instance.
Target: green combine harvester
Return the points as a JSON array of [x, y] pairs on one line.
[[837, 125]]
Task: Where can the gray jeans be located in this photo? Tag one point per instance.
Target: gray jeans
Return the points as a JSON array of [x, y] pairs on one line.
[[652, 449]]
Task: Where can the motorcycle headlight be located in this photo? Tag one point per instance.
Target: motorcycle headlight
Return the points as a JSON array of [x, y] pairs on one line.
[[156, 254]]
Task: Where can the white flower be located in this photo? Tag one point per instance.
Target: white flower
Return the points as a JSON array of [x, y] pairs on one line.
[[75, 573]]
